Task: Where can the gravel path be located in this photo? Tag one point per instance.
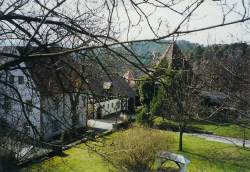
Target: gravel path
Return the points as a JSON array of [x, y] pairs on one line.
[[229, 140]]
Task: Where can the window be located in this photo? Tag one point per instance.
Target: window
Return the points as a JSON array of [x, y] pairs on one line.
[[117, 104], [75, 119], [11, 79], [55, 125], [103, 106], [112, 105], [107, 85], [20, 80], [108, 106], [56, 103], [28, 129], [6, 103], [84, 101], [29, 106]]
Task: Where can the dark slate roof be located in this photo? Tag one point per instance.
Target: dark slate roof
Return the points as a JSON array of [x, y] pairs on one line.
[[218, 98], [119, 87]]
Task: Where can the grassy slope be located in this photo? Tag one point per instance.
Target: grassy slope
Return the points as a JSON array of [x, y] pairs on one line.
[[204, 155]]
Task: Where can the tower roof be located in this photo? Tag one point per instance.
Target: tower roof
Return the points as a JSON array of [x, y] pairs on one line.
[[174, 55], [129, 75]]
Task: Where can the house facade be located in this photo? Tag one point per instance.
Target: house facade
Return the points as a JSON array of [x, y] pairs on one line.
[[18, 100], [37, 100], [109, 95]]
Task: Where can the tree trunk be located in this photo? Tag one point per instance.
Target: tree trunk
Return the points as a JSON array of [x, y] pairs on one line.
[[180, 141], [75, 118], [74, 101]]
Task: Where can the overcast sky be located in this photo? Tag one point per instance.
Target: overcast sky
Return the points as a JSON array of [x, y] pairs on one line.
[[212, 14], [209, 13]]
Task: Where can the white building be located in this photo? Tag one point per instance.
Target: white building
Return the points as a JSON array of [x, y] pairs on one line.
[[36, 97], [109, 95]]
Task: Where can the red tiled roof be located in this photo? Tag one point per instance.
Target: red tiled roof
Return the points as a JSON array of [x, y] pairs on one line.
[[53, 75]]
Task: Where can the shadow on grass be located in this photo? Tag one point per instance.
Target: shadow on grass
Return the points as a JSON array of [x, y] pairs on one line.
[[53, 154], [168, 169], [219, 161], [63, 155]]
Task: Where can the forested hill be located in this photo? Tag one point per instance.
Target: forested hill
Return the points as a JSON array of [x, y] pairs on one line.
[[189, 50], [149, 49], [192, 51]]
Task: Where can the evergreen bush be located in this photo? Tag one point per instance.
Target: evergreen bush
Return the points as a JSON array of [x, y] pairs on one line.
[[66, 136]]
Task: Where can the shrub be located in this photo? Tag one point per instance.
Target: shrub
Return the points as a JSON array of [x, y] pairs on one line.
[[8, 162], [3, 126], [135, 149], [144, 118], [66, 136], [139, 109], [9, 148]]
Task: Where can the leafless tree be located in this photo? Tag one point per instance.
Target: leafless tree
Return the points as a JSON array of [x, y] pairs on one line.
[[92, 32], [225, 71]]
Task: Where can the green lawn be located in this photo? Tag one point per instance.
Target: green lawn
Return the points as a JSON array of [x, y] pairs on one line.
[[205, 156], [78, 158]]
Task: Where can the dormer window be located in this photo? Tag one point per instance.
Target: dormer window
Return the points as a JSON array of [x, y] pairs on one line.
[[107, 85]]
